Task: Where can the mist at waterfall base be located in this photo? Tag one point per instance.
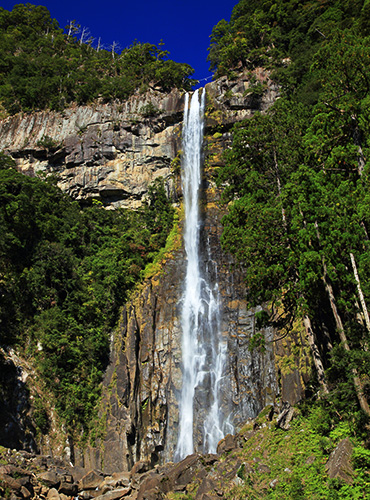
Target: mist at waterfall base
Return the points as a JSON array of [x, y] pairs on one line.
[[184, 27], [203, 349]]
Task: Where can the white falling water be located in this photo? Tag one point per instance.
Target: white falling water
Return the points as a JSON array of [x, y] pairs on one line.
[[203, 351]]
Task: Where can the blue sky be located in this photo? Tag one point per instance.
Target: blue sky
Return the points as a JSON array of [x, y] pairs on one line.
[[184, 25]]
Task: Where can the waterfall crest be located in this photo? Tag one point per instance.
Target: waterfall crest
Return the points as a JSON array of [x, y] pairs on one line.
[[203, 349]]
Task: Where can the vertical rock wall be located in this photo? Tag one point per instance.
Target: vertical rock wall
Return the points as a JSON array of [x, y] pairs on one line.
[[110, 152]]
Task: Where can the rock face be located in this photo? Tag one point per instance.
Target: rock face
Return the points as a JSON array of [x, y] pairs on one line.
[[142, 385], [110, 152], [113, 152], [339, 464], [16, 428]]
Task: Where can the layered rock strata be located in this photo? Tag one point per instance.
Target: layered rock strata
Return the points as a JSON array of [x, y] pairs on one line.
[[110, 152], [113, 152]]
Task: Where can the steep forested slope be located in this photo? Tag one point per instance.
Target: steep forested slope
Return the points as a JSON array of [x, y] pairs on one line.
[[41, 66], [297, 180], [64, 274]]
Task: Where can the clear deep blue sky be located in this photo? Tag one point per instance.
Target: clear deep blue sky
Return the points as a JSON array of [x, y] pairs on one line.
[[184, 25]]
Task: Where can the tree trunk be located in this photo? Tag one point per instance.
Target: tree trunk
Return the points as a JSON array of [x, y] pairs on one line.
[[315, 354], [360, 294], [356, 379]]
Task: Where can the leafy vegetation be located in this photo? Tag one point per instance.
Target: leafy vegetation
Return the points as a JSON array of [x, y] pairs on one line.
[[291, 464], [42, 66], [270, 34], [64, 273], [297, 182], [272, 464]]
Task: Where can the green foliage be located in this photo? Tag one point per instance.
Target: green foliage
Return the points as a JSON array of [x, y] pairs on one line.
[[296, 180], [40, 416], [257, 341], [64, 273], [42, 67], [149, 110], [361, 458], [294, 466], [48, 143], [282, 35]]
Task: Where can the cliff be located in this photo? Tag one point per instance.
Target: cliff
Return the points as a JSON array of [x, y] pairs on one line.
[[112, 153]]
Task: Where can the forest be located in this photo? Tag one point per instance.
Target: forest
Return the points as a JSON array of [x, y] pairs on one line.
[[296, 182], [44, 67], [296, 185], [64, 273]]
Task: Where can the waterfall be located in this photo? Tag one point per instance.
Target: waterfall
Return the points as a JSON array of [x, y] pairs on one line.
[[203, 349]]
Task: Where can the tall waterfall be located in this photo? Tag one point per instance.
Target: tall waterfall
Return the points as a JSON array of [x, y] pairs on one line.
[[203, 350]]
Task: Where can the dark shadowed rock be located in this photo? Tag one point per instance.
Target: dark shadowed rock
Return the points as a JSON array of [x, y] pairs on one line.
[[207, 487], [50, 478], [175, 479], [152, 494], [140, 467], [10, 483], [285, 417], [68, 488]]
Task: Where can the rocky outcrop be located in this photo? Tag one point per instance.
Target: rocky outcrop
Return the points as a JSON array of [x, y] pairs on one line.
[[139, 413], [339, 465], [230, 101], [252, 463], [16, 425], [110, 152]]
